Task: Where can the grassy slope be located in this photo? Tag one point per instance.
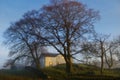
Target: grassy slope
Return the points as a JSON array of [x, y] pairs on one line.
[[85, 72], [80, 72]]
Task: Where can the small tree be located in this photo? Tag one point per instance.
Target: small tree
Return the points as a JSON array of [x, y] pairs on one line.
[[113, 49], [97, 47], [117, 41]]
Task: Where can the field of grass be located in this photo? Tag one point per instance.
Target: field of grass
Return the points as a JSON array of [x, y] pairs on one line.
[[80, 72]]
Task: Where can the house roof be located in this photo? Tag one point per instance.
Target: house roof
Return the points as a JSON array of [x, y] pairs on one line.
[[50, 54]]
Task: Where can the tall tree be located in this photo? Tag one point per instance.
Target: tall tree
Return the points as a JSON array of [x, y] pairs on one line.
[[65, 24], [23, 46]]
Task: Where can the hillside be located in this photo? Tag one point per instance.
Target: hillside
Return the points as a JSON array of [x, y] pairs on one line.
[[80, 72]]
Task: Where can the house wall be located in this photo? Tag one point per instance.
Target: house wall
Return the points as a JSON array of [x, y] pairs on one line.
[[52, 61], [60, 59]]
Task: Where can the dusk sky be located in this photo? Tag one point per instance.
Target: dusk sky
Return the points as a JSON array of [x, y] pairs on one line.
[[12, 10]]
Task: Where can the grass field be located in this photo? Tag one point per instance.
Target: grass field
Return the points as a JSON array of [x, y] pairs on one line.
[[80, 72]]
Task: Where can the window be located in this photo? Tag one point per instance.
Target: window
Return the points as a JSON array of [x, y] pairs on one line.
[[50, 63]]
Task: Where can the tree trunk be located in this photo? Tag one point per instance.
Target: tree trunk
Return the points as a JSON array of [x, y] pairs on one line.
[[69, 66], [102, 57], [38, 64], [101, 70], [68, 50], [109, 62]]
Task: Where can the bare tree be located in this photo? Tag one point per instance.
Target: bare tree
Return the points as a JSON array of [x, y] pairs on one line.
[[23, 46], [97, 47], [113, 49], [65, 23], [117, 41], [101, 48]]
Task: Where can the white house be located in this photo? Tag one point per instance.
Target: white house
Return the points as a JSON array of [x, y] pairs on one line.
[[51, 59]]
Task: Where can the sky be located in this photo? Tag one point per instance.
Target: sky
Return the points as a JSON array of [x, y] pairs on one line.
[[12, 10]]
